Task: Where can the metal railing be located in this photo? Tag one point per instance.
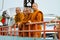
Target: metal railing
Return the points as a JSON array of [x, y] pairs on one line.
[[7, 31]]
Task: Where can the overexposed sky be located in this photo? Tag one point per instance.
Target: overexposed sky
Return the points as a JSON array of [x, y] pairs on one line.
[[46, 6]]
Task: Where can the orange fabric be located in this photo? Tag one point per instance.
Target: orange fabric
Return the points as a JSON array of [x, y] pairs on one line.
[[37, 17], [18, 20], [26, 19], [19, 17]]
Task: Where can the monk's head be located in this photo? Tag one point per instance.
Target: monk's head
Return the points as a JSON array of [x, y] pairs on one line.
[[28, 10], [24, 10], [35, 6], [18, 10]]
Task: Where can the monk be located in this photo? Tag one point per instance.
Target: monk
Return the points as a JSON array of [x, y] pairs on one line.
[[27, 16], [37, 16], [19, 15], [18, 19]]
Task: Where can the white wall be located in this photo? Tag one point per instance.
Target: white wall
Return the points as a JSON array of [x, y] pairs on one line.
[[0, 5], [11, 4], [46, 6], [49, 6]]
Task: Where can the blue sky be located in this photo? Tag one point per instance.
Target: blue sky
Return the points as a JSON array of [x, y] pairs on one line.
[[46, 6]]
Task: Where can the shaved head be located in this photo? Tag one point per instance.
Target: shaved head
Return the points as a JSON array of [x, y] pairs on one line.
[[35, 6], [18, 10]]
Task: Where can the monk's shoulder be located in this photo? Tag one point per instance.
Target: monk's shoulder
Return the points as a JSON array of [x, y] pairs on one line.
[[22, 14], [31, 13], [40, 12]]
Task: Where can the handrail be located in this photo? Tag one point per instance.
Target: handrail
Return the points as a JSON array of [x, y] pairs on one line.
[[2, 29]]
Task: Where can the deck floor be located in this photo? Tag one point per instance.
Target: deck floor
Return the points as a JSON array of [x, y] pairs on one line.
[[22, 38]]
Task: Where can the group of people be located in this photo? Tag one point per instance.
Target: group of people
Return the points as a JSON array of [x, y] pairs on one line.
[[28, 16]]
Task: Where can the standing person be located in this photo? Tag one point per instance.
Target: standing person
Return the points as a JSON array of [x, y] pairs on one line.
[[18, 19], [37, 16], [19, 15], [27, 14], [27, 17]]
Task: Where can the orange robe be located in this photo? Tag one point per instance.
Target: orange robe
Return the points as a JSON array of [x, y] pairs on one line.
[[37, 16], [18, 19], [26, 19]]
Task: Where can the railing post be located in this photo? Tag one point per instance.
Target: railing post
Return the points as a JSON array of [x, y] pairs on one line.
[[59, 31], [55, 31], [23, 30], [36, 30], [5, 30], [10, 31], [14, 30], [29, 30], [44, 30], [0, 30]]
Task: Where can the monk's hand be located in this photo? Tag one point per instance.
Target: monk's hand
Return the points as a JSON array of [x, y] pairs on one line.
[[29, 21], [19, 23]]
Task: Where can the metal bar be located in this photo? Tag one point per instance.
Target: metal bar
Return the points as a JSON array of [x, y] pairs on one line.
[[36, 29], [29, 31], [23, 30], [0, 30], [10, 31], [59, 31], [44, 30], [14, 30]]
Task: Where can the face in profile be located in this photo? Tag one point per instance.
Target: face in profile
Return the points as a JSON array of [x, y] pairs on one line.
[[18, 10]]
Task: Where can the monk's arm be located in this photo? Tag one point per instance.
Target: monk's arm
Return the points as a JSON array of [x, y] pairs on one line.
[[39, 17], [22, 17], [15, 19]]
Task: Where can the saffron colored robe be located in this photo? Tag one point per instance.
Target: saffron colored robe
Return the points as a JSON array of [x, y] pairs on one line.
[[37, 16], [18, 20], [27, 17]]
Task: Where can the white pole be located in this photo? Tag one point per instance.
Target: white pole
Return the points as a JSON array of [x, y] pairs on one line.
[[2, 4]]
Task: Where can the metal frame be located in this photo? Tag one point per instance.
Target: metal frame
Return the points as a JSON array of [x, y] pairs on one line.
[[4, 30]]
